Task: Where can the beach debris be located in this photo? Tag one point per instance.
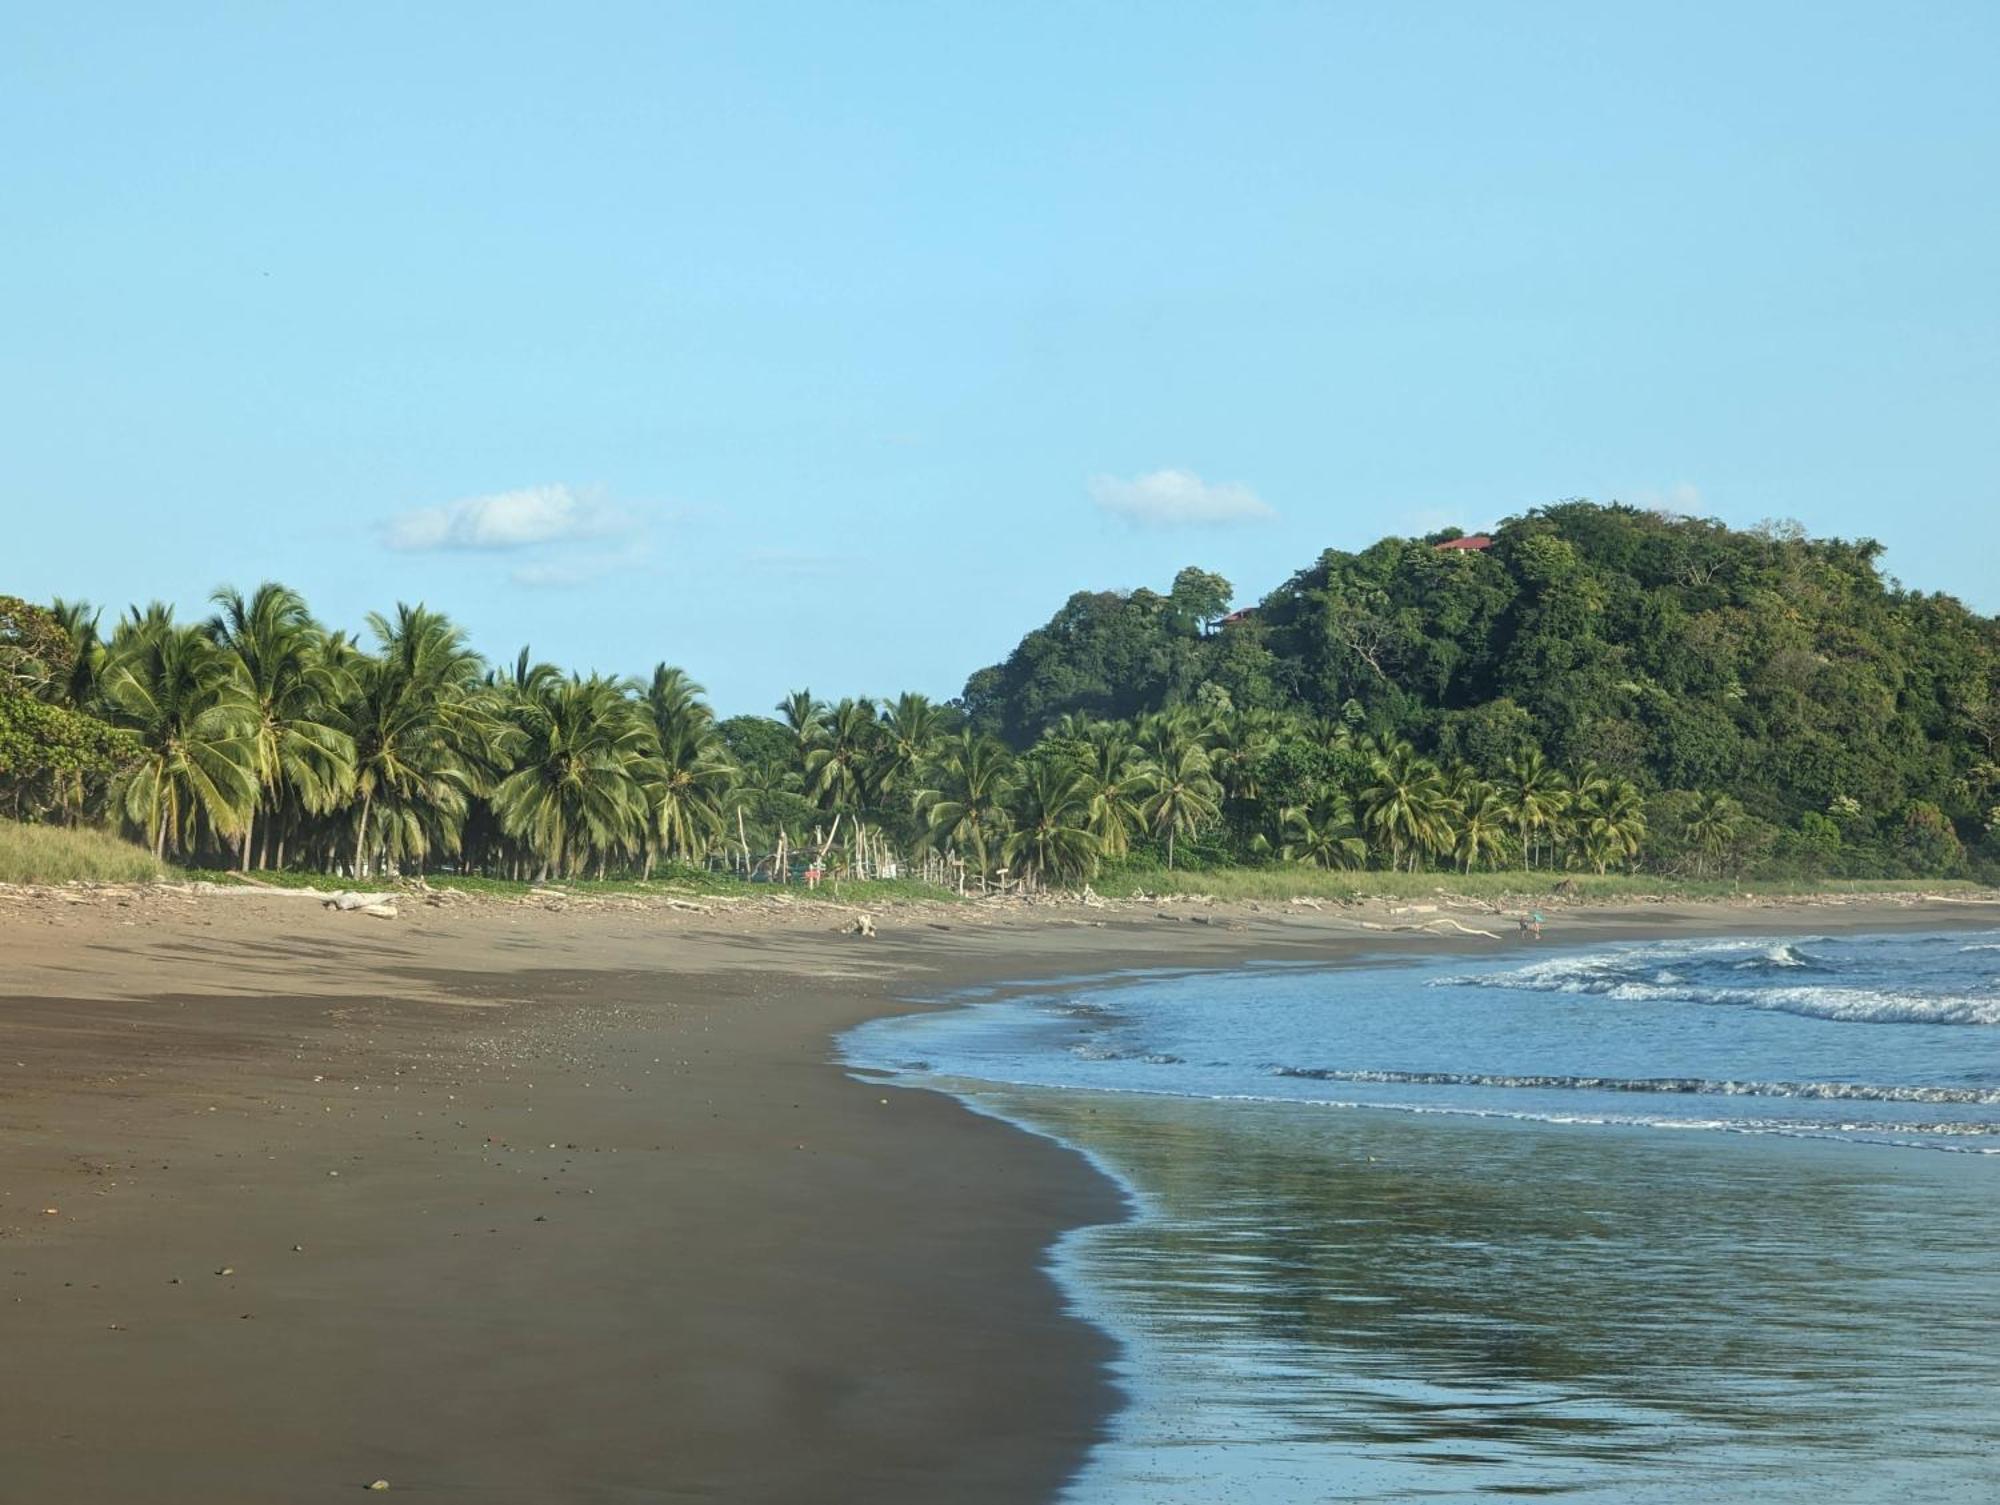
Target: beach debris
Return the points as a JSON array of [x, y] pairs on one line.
[[379, 1484], [1462, 929], [862, 925], [227, 1270], [381, 906]]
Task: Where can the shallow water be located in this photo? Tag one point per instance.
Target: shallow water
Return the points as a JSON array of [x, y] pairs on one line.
[[1417, 1231]]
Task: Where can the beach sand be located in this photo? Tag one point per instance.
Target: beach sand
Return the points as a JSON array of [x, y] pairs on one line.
[[557, 1202]]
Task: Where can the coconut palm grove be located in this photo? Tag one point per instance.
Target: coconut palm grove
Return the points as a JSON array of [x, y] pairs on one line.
[[1589, 688]]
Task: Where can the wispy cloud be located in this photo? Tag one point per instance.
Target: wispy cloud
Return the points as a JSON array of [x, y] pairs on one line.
[[504, 520], [1178, 498]]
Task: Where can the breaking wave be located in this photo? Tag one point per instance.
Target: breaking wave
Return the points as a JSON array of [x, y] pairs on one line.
[[1725, 974]]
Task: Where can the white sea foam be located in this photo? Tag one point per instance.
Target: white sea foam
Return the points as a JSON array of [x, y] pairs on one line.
[[1698, 1086], [1639, 977]]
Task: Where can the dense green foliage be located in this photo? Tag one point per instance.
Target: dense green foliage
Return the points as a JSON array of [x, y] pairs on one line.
[[54, 760], [1599, 690], [1848, 724]]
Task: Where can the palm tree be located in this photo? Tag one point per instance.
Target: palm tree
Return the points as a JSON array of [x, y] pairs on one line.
[[802, 715], [427, 735], [1177, 793], [686, 775], [1237, 743], [674, 703], [1049, 839], [1534, 794], [1407, 805], [79, 689], [1711, 826], [1614, 824], [687, 786], [967, 807], [574, 793], [302, 756], [1110, 766], [838, 757], [196, 724], [1322, 832], [1481, 825], [529, 676], [911, 731], [1582, 788]]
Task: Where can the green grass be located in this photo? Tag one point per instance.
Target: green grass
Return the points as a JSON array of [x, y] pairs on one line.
[[1275, 885], [1279, 884], [60, 854], [676, 883]]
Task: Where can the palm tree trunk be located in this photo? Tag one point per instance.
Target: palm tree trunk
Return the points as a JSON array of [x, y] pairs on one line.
[[249, 829], [1170, 848], [361, 832]]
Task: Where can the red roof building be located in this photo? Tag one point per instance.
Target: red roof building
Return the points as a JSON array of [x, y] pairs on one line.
[[1477, 543]]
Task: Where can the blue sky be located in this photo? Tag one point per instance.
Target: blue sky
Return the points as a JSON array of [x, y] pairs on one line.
[[836, 345]]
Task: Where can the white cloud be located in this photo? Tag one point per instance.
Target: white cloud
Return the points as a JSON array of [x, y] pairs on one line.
[[503, 520], [1174, 498]]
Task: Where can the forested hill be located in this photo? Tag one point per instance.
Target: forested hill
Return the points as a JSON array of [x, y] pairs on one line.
[[1672, 651]]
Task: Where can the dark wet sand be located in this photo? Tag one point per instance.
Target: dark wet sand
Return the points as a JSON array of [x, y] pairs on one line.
[[530, 1208]]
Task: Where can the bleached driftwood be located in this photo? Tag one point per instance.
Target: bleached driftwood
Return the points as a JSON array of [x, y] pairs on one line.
[[381, 906]]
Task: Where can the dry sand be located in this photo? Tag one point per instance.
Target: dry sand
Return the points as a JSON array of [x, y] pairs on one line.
[[507, 1202]]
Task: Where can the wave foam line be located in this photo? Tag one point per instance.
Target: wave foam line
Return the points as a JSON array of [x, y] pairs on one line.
[[1812, 1091]]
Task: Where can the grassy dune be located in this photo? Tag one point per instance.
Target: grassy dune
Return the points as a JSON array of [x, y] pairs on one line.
[[57, 854]]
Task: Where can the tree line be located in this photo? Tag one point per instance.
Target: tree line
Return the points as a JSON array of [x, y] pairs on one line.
[[1322, 729]]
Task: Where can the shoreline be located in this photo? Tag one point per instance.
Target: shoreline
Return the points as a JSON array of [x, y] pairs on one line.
[[586, 1204]]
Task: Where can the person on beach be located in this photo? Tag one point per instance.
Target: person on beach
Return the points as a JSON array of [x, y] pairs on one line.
[[1533, 925]]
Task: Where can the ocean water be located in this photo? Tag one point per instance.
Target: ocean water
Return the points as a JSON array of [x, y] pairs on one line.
[[1689, 1221]]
